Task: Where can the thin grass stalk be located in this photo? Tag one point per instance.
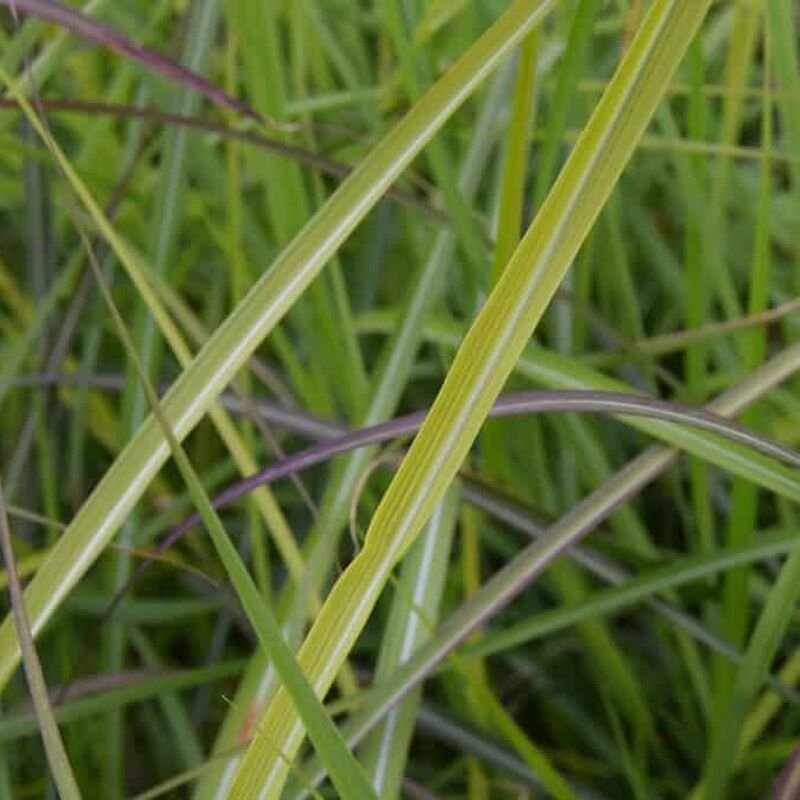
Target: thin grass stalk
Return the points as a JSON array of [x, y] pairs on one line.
[[54, 746], [93, 30], [164, 226]]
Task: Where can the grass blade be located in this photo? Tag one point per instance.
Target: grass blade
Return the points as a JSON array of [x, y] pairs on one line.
[[547, 368], [635, 590], [392, 373], [770, 629], [134, 689]]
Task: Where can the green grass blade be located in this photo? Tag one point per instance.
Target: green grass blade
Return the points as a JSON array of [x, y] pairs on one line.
[[745, 496], [573, 57], [413, 66], [516, 152], [392, 373], [164, 229], [530, 562], [139, 273], [600, 565], [187, 740], [610, 665], [17, 724]]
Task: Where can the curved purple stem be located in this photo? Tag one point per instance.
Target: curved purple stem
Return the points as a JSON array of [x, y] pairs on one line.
[[508, 405]]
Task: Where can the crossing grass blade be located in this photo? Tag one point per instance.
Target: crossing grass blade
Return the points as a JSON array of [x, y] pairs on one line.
[[256, 315], [508, 405], [392, 373], [646, 584], [481, 366], [619, 665], [138, 274]]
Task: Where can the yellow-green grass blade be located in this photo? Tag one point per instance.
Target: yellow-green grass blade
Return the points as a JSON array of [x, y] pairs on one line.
[[347, 775], [484, 361], [392, 373], [138, 274], [269, 299]]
